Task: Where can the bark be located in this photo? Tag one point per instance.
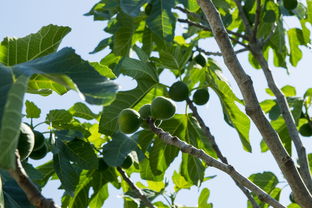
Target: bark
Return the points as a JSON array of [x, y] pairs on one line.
[[33, 194], [253, 109]]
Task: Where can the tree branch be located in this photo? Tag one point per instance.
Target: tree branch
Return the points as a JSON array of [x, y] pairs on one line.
[[257, 20], [244, 18], [217, 149], [304, 169], [135, 188], [253, 109], [33, 194], [210, 161]]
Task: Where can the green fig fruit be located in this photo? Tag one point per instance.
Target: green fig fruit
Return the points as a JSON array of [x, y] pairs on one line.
[[129, 121], [162, 108], [178, 91]]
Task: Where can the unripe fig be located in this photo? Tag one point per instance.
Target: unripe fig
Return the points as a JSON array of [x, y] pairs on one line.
[[129, 121], [146, 126], [178, 91], [306, 130], [127, 162], [200, 59], [39, 140], [290, 4], [201, 96], [162, 108], [26, 141], [39, 153], [145, 111]]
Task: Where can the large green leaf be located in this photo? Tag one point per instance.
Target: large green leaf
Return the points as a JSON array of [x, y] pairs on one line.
[[11, 121], [161, 21], [233, 115], [192, 169], [132, 7], [175, 57], [95, 88], [45, 41], [116, 150], [139, 69], [122, 39], [6, 80], [65, 170], [82, 153]]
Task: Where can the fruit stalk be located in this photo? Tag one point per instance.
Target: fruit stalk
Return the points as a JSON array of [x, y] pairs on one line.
[[33, 194]]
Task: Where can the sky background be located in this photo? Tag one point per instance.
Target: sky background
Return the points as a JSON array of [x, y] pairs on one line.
[[20, 18]]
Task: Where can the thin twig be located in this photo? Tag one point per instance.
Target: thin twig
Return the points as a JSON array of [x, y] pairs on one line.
[[210, 53], [216, 148], [138, 191], [244, 18], [210, 161], [33, 194], [252, 107], [207, 28], [257, 20]]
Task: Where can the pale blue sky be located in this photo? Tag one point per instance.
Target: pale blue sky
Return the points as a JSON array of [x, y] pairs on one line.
[[19, 18]]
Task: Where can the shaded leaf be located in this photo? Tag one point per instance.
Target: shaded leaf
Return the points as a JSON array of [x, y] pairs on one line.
[[11, 121], [116, 150], [161, 21], [132, 7]]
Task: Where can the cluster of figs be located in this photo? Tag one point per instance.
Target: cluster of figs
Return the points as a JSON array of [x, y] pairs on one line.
[[161, 108], [31, 143]]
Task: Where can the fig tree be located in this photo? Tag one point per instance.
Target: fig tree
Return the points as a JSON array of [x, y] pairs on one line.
[[178, 91], [39, 153], [201, 96], [162, 108], [127, 162], [145, 111], [200, 59], [39, 140], [129, 121], [26, 141]]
